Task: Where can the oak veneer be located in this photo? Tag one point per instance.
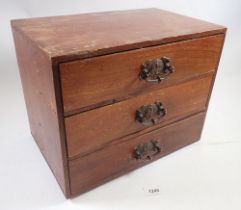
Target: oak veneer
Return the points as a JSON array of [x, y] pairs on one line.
[[81, 81]]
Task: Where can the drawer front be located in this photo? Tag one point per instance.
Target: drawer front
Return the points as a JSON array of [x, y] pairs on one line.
[[98, 81], [92, 130], [116, 159]]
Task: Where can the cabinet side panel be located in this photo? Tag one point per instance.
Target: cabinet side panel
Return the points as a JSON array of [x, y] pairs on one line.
[[38, 86], [216, 68]]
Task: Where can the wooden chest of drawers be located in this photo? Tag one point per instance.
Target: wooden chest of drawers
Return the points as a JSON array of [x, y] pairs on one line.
[[109, 92]]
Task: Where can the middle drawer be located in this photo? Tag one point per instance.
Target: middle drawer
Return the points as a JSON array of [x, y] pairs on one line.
[[92, 130]]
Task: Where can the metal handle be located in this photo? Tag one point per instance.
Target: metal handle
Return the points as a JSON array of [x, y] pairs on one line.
[[146, 151], [156, 70], [150, 114]]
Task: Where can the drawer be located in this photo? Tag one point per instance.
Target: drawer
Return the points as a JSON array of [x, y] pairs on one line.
[[94, 129], [102, 80], [120, 157]]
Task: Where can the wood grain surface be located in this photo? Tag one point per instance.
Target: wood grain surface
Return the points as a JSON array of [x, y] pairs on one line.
[[39, 92], [94, 82], [80, 77], [86, 35], [89, 131], [112, 161]]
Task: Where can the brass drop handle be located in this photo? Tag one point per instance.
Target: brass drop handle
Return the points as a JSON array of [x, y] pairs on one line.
[[146, 151], [156, 70], [150, 114]]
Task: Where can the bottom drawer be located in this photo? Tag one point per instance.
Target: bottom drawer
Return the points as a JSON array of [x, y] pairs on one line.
[[127, 154]]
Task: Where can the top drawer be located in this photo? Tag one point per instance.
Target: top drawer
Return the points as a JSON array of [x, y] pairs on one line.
[[97, 81]]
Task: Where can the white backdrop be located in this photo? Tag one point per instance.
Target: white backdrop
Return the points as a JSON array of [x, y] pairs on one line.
[[205, 175]]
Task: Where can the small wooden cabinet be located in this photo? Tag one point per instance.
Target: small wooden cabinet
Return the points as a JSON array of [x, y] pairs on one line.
[[109, 92]]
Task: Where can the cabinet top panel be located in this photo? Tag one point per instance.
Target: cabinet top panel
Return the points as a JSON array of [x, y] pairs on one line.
[[86, 35]]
